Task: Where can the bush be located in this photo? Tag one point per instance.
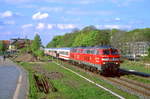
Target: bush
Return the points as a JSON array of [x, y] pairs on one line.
[[39, 53], [149, 52]]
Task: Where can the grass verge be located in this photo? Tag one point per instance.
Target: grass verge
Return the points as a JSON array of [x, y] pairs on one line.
[[138, 66], [100, 81], [70, 86]]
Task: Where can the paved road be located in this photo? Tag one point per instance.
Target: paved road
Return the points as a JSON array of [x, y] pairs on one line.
[[13, 81]]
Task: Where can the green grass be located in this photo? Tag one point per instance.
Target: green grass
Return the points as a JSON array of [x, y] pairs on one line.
[[139, 79], [72, 86], [69, 87], [102, 82], [138, 66]]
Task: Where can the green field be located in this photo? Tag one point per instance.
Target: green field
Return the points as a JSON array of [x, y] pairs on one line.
[[71, 86], [138, 66]]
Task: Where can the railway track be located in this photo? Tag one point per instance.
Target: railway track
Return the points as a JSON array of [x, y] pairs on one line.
[[131, 86], [137, 88], [142, 74]]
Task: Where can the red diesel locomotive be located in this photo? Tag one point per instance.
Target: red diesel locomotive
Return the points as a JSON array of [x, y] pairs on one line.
[[105, 59]]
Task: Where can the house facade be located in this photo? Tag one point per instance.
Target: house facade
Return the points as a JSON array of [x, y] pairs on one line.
[[135, 48]]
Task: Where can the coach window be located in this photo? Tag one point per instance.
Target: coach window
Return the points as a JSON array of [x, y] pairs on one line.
[[74, 50], [85, 51], [79, 51], [97, 52], [92, 51]]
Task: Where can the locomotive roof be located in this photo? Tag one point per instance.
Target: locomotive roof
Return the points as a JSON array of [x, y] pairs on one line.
[[95, 47], [58, 48], [105, 47]]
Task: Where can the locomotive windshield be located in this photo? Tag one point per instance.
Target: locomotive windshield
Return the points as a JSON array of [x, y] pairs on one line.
[[106, 52], [110, 52], [114, 52]]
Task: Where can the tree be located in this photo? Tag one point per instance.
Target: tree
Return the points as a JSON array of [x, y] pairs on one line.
[[36, 44], [149, 52], [27, 47], [89, 28], [55, 42], [2, 48], [75, 30], [35, 47]]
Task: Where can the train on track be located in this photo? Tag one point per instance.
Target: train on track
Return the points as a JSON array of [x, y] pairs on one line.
[[103, 59]]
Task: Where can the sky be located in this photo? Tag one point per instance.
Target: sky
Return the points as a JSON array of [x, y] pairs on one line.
[[48, 18]]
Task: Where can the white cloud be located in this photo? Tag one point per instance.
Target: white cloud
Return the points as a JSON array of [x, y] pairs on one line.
[[57, 26], [65, 26], [26, 26], [39, 16], [50, 26], [61, 26], [8, 33], [40, 26], [117, 19], [113, 26], [124, 2], [6, 14]]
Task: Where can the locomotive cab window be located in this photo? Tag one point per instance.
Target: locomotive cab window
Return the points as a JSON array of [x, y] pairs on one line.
[[114, 52], [106, 52]]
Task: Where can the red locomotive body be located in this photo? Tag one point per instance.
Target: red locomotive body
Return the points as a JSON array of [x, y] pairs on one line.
[[105, 59]]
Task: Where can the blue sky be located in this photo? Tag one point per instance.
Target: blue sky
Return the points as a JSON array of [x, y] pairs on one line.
[[25, 18]]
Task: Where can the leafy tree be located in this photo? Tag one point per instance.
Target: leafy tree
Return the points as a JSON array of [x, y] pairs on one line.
[[36, 44], [39, 53], [2, 47], [149, 52], [27, 47], [116, 37], [90, 36], [55, 42], [89, 28], [75, 30]]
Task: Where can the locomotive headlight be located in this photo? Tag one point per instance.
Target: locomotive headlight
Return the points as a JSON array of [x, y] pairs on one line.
[[105, 59], [104, 63]]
